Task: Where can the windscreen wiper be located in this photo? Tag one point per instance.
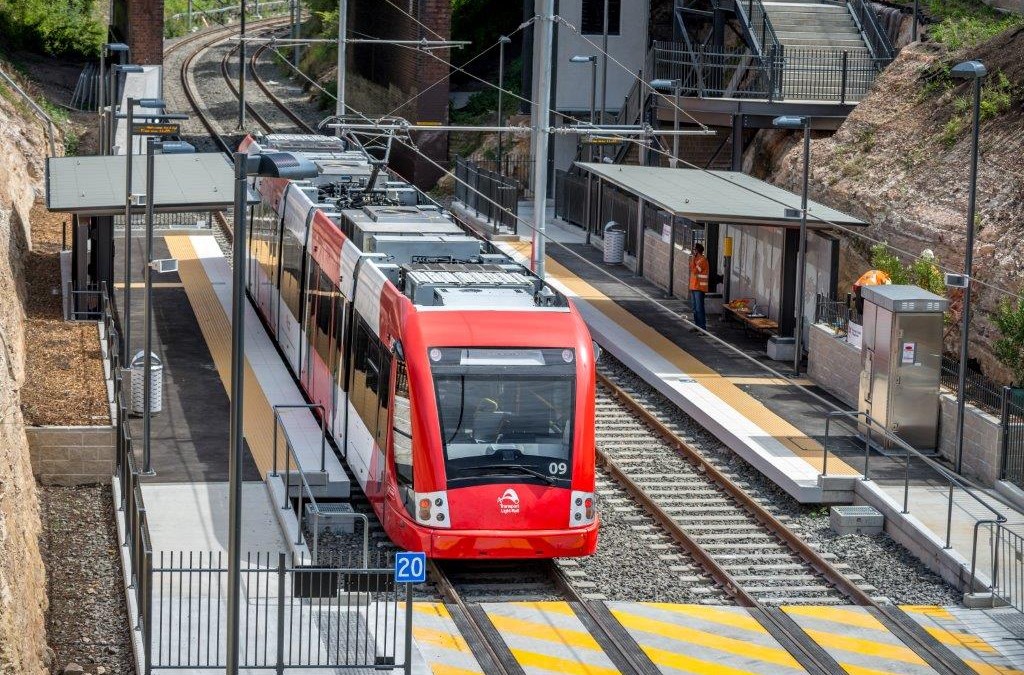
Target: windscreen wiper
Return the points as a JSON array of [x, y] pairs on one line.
[[518, 467]]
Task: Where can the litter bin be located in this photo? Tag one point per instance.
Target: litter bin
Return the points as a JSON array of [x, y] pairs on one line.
[[138, 369], [614, 243]]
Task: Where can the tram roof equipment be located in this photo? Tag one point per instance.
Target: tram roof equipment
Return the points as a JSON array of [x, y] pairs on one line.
[[716, 196]]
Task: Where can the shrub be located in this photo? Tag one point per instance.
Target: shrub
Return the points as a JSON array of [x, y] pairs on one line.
[[55, 27], [921, 272], [1009, 347]]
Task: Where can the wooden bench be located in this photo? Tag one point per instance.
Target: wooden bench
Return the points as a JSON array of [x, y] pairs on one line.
[[759, 324]]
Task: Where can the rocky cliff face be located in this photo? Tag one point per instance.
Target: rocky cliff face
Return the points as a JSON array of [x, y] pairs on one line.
[[22, 576], [901, 163]]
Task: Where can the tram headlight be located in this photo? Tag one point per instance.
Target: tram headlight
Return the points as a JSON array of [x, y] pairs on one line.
[[581, 509], [432, 509]]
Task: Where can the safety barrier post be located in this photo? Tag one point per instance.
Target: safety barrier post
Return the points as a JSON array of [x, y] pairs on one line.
[[408, 630], [281, 571], [842, 89]]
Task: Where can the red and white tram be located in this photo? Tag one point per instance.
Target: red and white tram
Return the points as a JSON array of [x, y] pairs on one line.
[[460, 385]]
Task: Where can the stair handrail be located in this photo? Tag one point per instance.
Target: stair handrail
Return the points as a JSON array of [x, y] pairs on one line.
[[867, 23], [757, 26]]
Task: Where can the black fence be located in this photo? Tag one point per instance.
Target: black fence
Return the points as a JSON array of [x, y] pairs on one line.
[[1012, 419], [514, 167], [492, 196], [782, 73], [836, 314], [607, 204], [877, 38], [980, 390]]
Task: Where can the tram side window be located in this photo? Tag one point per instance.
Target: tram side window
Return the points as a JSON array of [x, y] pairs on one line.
[[341, 352], [324, 315], [291, 273], [360, 348], [383, 395], [402, 438]]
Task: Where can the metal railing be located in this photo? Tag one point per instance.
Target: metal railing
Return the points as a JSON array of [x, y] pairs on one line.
[[784, 73], [492, 196], [875, 37], [511, 167], [86, 93], [981, 391], [187, 220], [1006, 548], [85, 304], [836, 314], [862, 421], [295, 615], [39, 112], [754, 18], [304, 492], [1011, 420]]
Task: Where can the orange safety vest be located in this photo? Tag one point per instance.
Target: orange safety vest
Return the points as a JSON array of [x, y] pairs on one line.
[[699, 271]]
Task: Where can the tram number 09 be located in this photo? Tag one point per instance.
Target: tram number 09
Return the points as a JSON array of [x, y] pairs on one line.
[[558, 468]]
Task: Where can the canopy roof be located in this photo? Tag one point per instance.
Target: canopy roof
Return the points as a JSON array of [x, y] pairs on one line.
[[96, 185], [716, 196]]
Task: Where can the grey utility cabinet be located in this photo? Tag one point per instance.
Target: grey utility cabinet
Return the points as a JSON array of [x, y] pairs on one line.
[[901, 362]]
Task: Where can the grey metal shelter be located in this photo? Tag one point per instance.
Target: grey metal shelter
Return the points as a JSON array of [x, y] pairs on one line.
[[710, 202], [93, 190]]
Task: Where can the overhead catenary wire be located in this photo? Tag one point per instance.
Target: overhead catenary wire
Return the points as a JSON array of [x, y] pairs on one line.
[[811, 216]]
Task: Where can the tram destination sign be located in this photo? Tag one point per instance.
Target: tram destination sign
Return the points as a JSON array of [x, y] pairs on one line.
[[155, 129]]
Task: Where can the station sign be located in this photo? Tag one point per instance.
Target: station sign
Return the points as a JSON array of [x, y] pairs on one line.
[[155, 129], [603, 140], [410, 567]]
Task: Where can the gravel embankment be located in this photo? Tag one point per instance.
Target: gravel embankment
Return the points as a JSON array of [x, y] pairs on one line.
[[884, 563], [88, 623]]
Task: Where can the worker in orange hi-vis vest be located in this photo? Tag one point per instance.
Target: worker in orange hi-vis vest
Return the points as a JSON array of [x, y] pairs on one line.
[[700, 272]]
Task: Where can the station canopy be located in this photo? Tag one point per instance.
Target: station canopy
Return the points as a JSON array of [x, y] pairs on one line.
[[95, 185], [725, 197]]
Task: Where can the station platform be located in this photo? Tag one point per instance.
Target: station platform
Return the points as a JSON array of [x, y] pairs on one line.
[[555, 637], [777, 424]]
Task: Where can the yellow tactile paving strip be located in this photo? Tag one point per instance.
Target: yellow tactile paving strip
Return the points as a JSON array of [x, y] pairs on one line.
[[725, 388], [442, 646], [216, 328]]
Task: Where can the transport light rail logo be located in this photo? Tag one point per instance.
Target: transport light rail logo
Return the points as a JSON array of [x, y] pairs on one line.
[[508, 503]]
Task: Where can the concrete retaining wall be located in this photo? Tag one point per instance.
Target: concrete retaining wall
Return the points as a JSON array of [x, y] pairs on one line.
[[72, 455]]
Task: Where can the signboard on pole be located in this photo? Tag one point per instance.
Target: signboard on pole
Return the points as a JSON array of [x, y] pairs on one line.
[[410, 567], [155, 129]]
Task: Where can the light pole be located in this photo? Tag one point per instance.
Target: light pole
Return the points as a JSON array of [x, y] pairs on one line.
[[604, 63], [339, 100], [592, 60], [241, 65], [976, 71], [798, 122], [130, 150], [543, 47], [676, 87], [502, 41], [273, 165]]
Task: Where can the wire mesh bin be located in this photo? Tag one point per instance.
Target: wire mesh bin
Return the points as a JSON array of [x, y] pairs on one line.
[[614, 243], [138, 370]]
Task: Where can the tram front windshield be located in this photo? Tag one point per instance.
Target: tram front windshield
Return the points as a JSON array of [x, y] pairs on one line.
[[506, 416]]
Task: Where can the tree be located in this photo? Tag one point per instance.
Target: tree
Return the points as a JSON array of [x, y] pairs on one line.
[[1009, 348]]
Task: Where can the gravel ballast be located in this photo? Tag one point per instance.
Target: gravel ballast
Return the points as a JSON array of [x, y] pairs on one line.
[[87, 622], [881, 561]]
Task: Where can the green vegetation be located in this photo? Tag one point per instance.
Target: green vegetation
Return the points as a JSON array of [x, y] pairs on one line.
[[964, 23], [921, 272], [996, 98], [1009, 347], [175, 27], [55, 27]]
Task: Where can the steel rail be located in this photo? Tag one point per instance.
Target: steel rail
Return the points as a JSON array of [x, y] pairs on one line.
[[261, 83], [260, 119], [806, 553], [449, 593]]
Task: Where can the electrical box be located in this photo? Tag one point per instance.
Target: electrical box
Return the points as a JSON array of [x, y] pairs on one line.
[[901, 361]]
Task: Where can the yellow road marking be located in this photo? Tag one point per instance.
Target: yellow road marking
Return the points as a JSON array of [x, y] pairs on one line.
[[445, 669], [545, 631], [847, 643], [548, 607], [690, 664], [673, 631], [725, 617], [441, 639], [957, 639], [846, 617], [557, 665], [928, 610], [431, 608]]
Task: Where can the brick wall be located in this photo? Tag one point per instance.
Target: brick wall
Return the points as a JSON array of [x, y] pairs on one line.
[[656, 255], [145, 30], [834, 364], [71, 455], [421, 76]]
